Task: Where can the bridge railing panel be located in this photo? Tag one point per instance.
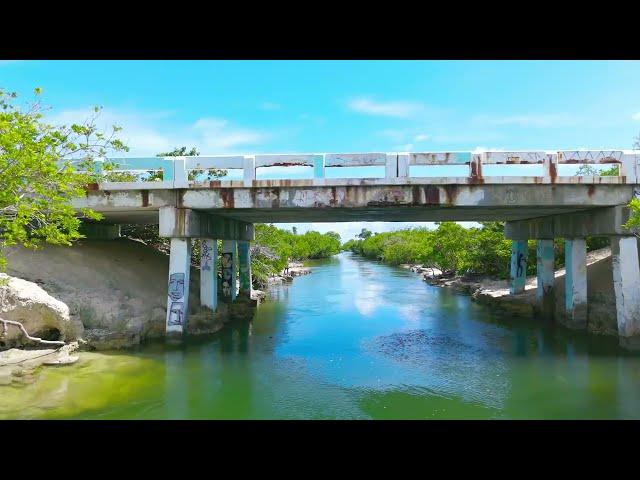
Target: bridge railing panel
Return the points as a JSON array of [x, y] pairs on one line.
[[176, 170]]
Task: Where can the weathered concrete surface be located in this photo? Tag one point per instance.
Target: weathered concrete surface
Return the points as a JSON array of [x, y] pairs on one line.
[[575, 258], [116, 288], [601, 305], [545, 270], [518, 269], [362, 200], [42, 315], [188, 223], [595, 222], [626, 284]]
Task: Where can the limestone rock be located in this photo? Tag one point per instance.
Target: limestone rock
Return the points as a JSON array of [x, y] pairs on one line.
[[41, 314]]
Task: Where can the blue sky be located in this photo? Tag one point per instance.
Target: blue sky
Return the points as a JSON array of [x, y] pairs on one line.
[[344, 106]]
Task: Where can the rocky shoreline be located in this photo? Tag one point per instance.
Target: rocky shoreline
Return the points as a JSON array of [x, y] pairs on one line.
[[496, 293]]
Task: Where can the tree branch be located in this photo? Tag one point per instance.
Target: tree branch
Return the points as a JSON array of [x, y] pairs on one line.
[[26, 334]]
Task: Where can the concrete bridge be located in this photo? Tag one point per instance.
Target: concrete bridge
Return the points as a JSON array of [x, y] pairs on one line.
[[539, 207]]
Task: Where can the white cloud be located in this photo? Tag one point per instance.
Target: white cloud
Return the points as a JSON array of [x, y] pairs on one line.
[[421, 137], [148, 133], [400, 109], [635, 116]]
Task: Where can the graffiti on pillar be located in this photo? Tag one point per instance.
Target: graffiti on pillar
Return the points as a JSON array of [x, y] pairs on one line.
[[176, 286], [206, 260], [520, 269], [227, 273], [176, 313]]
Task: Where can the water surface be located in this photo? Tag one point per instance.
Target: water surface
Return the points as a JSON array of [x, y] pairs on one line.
[[353, 340]]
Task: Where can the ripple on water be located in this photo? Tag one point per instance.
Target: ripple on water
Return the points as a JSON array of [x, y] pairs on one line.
[[448, 365]]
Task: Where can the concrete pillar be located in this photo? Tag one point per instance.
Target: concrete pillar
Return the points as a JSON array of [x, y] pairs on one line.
[[244, 263], [519, 252], [229, 259], [209, 273], [626, 284], [575, 258], [178, 291], [545, 269]]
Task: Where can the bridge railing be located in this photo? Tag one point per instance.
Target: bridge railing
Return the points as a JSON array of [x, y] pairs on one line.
[[176, 170]]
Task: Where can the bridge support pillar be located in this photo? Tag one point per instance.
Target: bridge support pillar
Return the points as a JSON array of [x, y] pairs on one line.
[[626, 284], [244, 263], [209, 273], [575, 255], [229, 259], [545, 292], [519, 252], [178, 292]]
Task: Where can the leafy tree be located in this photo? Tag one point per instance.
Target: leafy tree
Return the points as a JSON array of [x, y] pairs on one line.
[[364, 234], [42, 169]]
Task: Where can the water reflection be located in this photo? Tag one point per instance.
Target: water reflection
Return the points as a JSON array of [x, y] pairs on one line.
[[355, 339]]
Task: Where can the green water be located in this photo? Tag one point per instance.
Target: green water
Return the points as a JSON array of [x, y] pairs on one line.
[[355, 339]]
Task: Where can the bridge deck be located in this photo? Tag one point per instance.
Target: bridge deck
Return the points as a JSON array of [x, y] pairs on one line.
[[397, 197]]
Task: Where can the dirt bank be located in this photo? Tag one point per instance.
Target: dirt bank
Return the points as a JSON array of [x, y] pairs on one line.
[[116, 288]]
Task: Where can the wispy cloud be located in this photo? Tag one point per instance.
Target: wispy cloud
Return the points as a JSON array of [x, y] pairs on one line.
[[399, 109], [148, 133], [635, 116]]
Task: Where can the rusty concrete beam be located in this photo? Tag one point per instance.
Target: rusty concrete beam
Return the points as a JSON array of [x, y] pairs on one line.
[[596, 222], [187, 223]]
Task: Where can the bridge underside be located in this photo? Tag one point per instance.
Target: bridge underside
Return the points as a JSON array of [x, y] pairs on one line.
[[346, 203], [371, 214]]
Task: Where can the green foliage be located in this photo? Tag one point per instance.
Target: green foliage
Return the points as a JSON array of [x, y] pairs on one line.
[[42, 169], [451, 247], [633, 223], [587, 170], [274, 248]]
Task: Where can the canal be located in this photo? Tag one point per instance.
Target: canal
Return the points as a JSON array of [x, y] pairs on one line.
[[353, 340]]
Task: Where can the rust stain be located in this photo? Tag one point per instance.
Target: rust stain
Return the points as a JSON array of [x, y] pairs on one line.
[[553, 172], [432, 195], [226, 194], [452, 193], [91, 187], [415, 195], [215, 184], [180, 220], [180, 198], [591, 190], [275, 200], [145, 197], [334, 200], [476, 173]]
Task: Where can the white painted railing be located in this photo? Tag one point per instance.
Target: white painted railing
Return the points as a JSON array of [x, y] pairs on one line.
[[397, 165]]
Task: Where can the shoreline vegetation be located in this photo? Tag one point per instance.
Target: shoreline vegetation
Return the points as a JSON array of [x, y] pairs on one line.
[[276, 254], [453, 249]]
